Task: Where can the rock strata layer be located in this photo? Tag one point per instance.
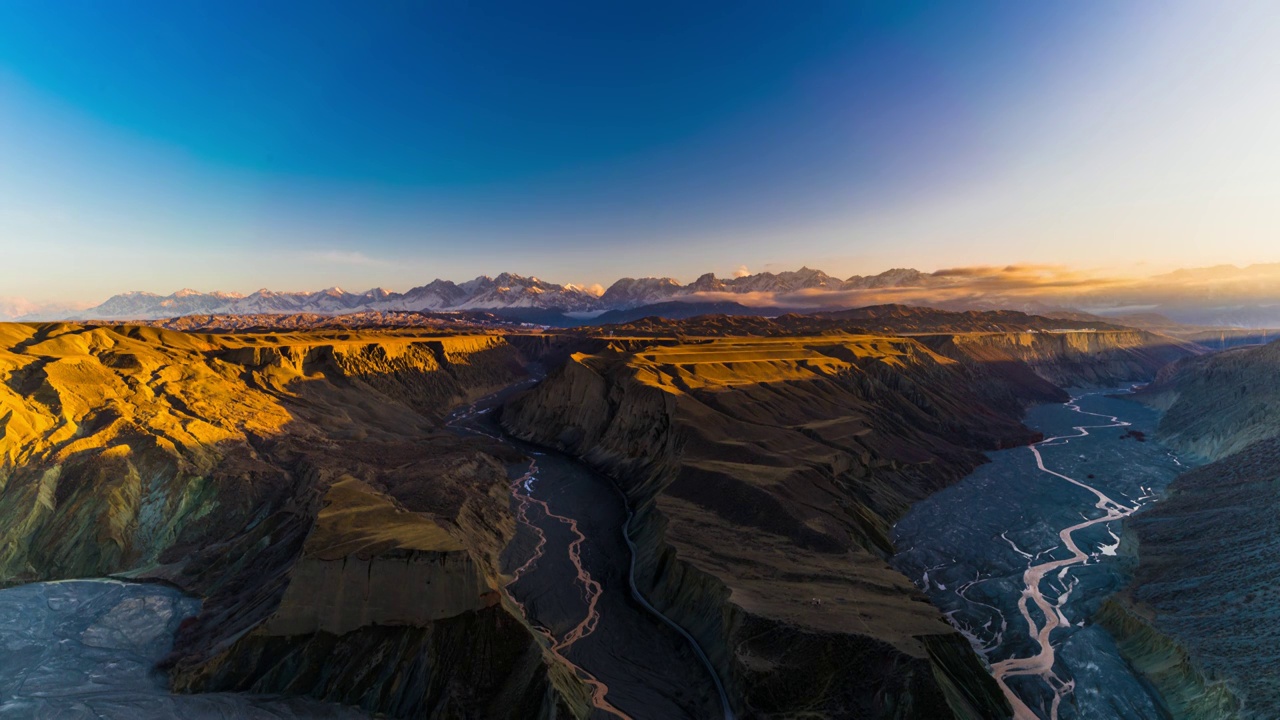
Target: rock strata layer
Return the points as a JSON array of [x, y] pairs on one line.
[[765, 473]]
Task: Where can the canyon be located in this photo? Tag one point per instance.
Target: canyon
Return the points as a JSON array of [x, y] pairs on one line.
[[349, 543], [771, 469], [1021, 554], [639, 361]]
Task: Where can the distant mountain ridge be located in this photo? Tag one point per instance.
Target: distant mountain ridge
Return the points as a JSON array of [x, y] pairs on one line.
[[632, 292], [1210, 297], [507, 290]]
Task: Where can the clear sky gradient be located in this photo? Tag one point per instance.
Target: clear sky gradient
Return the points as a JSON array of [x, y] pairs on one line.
[[233, 145]]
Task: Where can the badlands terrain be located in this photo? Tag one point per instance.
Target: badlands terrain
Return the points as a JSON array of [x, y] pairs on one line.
[[301, 486], [494, 522]]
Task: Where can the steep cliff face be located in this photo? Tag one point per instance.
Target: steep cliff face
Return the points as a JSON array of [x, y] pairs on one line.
[[344, 545], [1208, 553], [1219, 404], [1188, 692], [764, 475], [394, 611], [1078, 358]]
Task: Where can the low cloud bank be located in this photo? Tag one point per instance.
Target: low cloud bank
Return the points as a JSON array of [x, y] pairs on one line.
[[983, 286], [1224, 295], [15, 308]]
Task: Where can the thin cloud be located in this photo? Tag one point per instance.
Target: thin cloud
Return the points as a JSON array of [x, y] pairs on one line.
[[1038, 288], [13, 307]]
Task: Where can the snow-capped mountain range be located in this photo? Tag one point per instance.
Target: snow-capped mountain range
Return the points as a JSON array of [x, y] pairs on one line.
[[505, 291], [1225, 295]]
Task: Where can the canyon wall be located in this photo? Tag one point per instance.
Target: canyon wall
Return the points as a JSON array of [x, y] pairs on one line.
[[765, 474], [1081, 358], [1208, 553], [344, 545], [1219, 404]]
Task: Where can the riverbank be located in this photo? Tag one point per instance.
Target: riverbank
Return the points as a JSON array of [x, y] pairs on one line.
[[1206, 580]]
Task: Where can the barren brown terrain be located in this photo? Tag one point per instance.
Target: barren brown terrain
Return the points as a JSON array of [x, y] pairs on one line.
[[348, 546]]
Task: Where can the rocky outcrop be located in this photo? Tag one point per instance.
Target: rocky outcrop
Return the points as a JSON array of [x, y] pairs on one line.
[[764, 475], [393, 566], [393, 611], [345, 547]]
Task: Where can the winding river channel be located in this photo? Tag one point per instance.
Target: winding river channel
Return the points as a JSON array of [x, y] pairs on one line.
[[571, 568], [1020, 554]]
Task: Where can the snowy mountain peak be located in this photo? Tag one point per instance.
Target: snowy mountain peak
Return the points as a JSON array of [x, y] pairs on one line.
[[505, 290]]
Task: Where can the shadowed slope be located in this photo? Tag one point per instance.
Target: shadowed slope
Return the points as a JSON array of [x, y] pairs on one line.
[[1192, 623], [346, 547], [765, 473]]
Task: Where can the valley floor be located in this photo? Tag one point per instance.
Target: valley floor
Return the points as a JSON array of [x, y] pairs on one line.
[[1021, 554], [88, 648]]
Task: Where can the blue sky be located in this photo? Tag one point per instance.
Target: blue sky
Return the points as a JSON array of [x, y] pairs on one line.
[[233, 145]]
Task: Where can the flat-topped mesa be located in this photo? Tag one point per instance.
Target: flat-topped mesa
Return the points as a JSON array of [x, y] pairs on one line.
[[430, 374], [398, 611], [1070, 357], [384, 558]]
